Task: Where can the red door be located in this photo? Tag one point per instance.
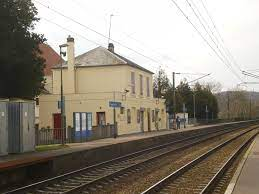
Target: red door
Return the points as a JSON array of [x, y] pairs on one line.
[[57, 125]]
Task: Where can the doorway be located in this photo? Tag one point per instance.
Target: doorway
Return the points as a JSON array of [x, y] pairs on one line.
[[100, 119], [148, 121], [156, 120], [82, 122], [57, 125], [142, 121]]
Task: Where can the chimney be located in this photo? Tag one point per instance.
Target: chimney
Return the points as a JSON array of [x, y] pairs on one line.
[[70, 52], [111, 47], [70, 65]]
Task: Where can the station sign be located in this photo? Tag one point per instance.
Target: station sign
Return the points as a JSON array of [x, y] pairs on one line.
[[114, 104]]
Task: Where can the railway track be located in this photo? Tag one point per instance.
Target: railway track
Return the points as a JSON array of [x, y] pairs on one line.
[[202, 174], [88, 179]]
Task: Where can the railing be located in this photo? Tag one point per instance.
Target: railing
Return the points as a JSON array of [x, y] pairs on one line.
[[46, 136]]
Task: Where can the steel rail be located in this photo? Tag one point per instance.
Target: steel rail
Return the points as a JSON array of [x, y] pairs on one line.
[[173, 176], [209, 187], [110, 176], [128, 156]]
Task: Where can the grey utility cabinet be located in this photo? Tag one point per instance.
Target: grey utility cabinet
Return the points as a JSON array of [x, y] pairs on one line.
[[21, 131], [3, 128]]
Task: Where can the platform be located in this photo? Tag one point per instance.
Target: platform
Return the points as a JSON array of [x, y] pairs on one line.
[[247, 175], [14, 160], [35, 165]]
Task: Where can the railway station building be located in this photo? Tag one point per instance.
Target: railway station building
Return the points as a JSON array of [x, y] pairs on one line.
[[92, 83]]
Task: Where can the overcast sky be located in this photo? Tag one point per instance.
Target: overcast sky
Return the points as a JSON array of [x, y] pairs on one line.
[[158, 30]]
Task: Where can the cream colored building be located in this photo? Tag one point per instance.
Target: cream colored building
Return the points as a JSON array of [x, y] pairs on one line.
[[94, 79]]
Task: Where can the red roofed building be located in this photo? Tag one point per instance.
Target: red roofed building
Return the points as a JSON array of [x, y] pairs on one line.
[[52, 58]]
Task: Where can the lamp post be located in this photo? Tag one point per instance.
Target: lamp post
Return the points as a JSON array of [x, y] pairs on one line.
[[174, 99], [62, 102], [184, 110], [207, 111], [194, 106]]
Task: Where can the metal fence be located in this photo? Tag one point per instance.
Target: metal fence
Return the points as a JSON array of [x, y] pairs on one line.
[[46, 136]]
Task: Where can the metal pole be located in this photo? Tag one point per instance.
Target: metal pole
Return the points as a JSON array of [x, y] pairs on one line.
[[174, 102], [114, 117], [61, 99], [206, 113], [250, 107], [228, 108], [184, 115], [62, 102], [110, 28], [194, 107]]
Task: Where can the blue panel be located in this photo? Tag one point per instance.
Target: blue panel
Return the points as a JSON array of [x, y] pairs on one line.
[[89, 121], [114, 104], [82, 125]]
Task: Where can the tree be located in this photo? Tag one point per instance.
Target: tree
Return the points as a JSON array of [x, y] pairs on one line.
[[214, 87], [184, 94], [204, 97], [21, 67], [239, 104], [161, 84]]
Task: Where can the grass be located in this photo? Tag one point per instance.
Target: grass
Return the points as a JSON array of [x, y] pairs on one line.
[[42, 148]]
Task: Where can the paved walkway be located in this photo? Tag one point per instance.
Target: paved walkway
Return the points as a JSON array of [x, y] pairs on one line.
[[74, 147], [17, 160], [248, 180]]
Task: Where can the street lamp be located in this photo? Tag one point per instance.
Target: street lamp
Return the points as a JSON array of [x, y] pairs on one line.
[[207, 111], [174, 98], [194, 106], [62, 102]]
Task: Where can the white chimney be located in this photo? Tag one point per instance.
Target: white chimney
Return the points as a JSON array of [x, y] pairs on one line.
[[70, 52], [71, 65]]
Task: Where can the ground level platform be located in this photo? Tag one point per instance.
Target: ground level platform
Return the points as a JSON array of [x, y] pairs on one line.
[[35, 165], [11, 160], [246, 178], [14, 160]]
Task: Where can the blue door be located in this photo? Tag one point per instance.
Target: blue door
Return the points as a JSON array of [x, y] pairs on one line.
[[83, 125]]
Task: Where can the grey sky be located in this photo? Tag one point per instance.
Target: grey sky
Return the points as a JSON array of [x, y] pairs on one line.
[[158, 30]]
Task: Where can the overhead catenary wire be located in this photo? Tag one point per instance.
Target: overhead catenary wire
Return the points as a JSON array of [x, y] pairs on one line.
[[66, 29], [205, 40], [98, 33], [80, 35], [250, 74], [217, 31], [211, 35], [199, 78], [80, 5], [192, 73]]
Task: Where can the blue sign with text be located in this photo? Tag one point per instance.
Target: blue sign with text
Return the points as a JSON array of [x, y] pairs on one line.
[[114, 104]]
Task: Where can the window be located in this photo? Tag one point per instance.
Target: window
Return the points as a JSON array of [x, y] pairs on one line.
[[153, 116], [128, 116], [82, 122], [141, 84], [133, 82], [148, 91], [138, 116], [37, 101], [122, 110]]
